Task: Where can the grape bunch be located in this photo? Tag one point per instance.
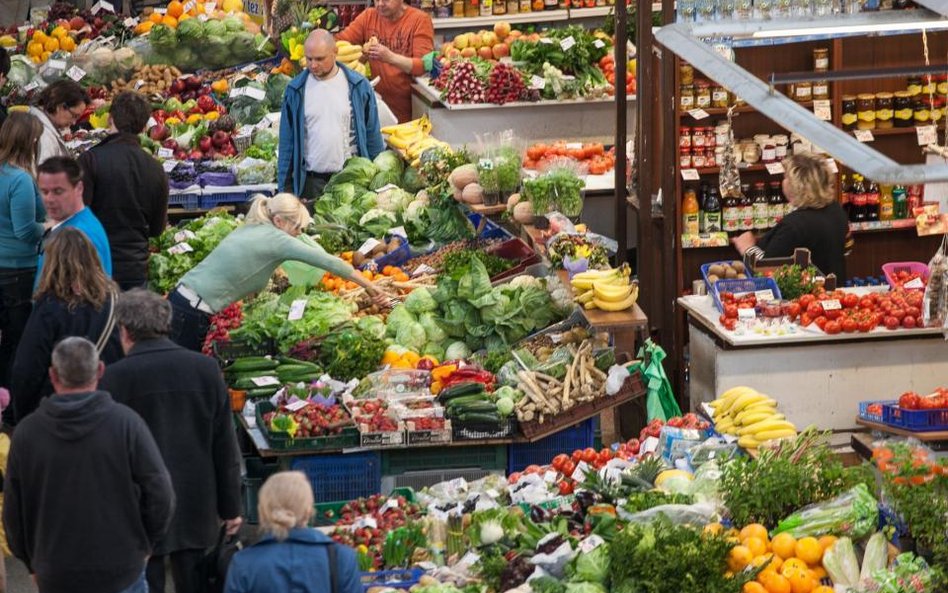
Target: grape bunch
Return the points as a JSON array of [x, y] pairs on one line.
[[461, 84], [505, 85]]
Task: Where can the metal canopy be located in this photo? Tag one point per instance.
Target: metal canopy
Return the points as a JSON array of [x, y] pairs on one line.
[[684, 40]]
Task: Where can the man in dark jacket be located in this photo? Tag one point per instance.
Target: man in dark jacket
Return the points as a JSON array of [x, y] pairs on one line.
[[87, 495], [127, 189], [184, 401]]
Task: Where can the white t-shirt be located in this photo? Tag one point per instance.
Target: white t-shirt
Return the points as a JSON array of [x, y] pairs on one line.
[[328, 114]]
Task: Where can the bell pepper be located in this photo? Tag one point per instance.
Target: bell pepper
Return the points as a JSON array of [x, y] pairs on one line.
[[443, 372]]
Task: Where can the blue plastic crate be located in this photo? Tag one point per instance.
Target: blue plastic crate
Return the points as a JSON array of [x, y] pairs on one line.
[[395, 579], [212, 200], [395, 258], [542, 452], [741, 286], [864, 409], [188, 201], [491, 229], [917, 420], [341, 477]]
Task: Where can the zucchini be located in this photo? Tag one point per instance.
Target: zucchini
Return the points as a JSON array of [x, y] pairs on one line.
[[299, 377], [251, 363], [248, 383], [481, 417], [466, 399], [465, 388], [261, 392], [290, 369], [474, 407]]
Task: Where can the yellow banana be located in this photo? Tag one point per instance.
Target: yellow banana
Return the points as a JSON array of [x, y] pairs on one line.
[[611, 293], [585, 297], [753, 411], [730, 396], [745, 400], [724, 425], [616, 306], [759, 417], [340, 43], [748, 442], [766, 425], [770, 435]]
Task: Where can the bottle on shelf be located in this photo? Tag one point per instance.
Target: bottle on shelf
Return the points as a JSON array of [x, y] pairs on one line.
[[746, 209], [845, 194], [886, 203], [774, 204], [730, 213], [900, 208], [914, 198], [873, 198], [857, 212], [690, 218], [711, 212], [761, 206], [702, 198]]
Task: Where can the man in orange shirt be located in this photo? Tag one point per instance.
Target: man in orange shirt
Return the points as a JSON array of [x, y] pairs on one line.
[[394, 37]]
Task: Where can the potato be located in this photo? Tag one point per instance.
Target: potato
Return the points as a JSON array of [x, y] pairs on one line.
[[738, 265], [716, 270], [393, 245], [712, 278], [731, 273], [357, 258], [741, 276]]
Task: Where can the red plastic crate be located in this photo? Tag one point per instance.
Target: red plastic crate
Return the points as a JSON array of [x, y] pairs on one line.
[[916, 420], [515, 250], [892, 268]]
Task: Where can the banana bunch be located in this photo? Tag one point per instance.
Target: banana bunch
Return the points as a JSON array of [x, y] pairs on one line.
[[351, 55], [750, 415], [412, 138], [608, 290]]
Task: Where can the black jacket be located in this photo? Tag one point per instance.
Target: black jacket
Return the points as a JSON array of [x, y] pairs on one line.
[[823, 231], [128, 192], [50, 322], [183, 399], [86, 494]]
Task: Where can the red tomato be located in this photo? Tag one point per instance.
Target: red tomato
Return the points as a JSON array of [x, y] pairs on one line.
[[729, 323], [898, 313], [793, 310], [891, 322], [513, 478], [565, 487], [533, 469], [821, 322], [606, 455], [832, 327], [730, 311], [834, 313], [865, 302], [577, 455], [806, 299], [913, 311], [850, 301], [805, 320], [865, 326], [814, 309], [909, 400], [849, 326], [559, 461], [589, 455], [908, 322]]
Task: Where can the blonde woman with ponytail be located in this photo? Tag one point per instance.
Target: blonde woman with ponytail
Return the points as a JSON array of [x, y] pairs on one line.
[[292, 556], [243, 263]]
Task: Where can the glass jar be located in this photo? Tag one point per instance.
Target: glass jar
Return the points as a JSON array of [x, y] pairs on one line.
[[885, 110], [903, 110], [941, 84], [686, 97], [719, 155], [928, 84], [684, 137], [709, 139], [702, 94], [513, 6], [698, 138], [500, 7], [937, 109], [849, 116], [914, 86], [457, 9], [684, 158], [866, 111], [821, 60], [710, 159], [472, 9], [528, 6], [922, 114], [821, 90], [768, 151], [721, 133], [686, 73], [780, 146], [802, 92], [750, 152], [487, 7], [719, 97], [697, 158]]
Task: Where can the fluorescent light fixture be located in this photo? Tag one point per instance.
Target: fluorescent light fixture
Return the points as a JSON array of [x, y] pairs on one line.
[[931, 25]]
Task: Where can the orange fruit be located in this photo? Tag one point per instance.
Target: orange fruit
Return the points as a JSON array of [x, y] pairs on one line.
[[753, 587], [802, 582], [756, 545], [175, 8], [784, 545], [819, 572], [739, 557], [791, 565], [823, 589], [169, 21], [754, 530], [776, 583], [713, 529], [772, 563], [826, 541], [809, 550], [155, 17]]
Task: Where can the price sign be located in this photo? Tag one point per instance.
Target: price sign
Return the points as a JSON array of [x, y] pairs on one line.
[[130, 22], [169, 166], [161, 10], [690, 175], [831, 305], [244, 131], [537, 82], [56, 64], [184, 235], [545, 40], [203, 18], [914, 283], [293, 407], [457, 484], [139, 84], [574, 146], [831, 165], [591, 543], [189, 5], [822, 109], [262, 77], [567, 43], [76, 73], [399, 231], [180, 248], [926, 135], [599, 44], [165, 153], [549, 477], [296, 310], [422, 270], [264, 381], [391, 503], [746, 313], [31, 86], [698, 113], [369, 245], [493, 493], [864, 135], [485, 164], [210, 6], [764, 295], [775, 168], [102, 5], [469, 559], [369, 522], [579, 474]]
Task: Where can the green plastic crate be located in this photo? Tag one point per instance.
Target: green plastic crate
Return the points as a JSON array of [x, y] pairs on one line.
[[399, 461], [321, 520]]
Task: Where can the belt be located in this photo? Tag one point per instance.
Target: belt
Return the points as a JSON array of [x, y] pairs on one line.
[[319, 175], [192, 297]]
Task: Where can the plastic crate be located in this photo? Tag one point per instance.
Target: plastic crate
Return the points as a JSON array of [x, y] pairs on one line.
[[257, 473], [426, 479], [490, 229], [742, 285], [341, 477], [542, 452], [189, 200], [917, 420], [349, 437], [392, 579], [328, 513], [394, 258], [472, 431], [892, 268], [518, 251], [232, 350], [866, 415], [490, 457]]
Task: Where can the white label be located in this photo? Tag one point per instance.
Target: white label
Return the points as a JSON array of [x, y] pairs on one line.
[[486, 164], [698, 113], [139, 84], [422, 270], [236, 92], [296, 310], [864, 135], [579, 474], [545, 40], [649, 445], [180, 248], [76, 73], [926, 135], [264, 381], [549, 477], [831, 165], [189, 5], [32, 85], [746, 313], [369, 522], [764, 295], [248, 68], [398, 231], [469, 559], [56, 64], [184, 235], [368, 246], [102, 5], [169, 166], [210, 6], [574, 146], [537, 82], [165, 153], [690, 174], [161, 10], [391, 503], [775, 168], [244, 131], [831, 305], [255, 93], [591, 543], [152, 122], [202, 18], [493, 493], [130, 22], [273, 117], [599, 44], [914, 283], [822, 109], [567, 43], [457, 484]]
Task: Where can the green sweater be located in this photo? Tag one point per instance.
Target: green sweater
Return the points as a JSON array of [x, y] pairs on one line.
[[244, 261]]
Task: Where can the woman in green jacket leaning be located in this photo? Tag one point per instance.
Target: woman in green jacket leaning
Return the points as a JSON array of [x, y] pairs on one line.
[[243, 263]]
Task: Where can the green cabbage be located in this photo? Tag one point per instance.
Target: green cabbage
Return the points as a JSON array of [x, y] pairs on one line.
[[242, 46], [383, 178], [366, 201], [191, 32], [411, 335], [372, 326], [435, 349], [276, 87], [162, 37], [212, 27], [397, 318], [457, 351], [233, 24], [505, 406], [411, 180], [592, 567], [388, 161], [420, 301], [433, 331], [357, 170], [21, 70]]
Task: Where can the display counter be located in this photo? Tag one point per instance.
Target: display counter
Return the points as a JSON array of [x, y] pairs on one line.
[[816, 378]]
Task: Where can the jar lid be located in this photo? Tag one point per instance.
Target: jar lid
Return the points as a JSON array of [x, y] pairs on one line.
[[903, 94], [849, 97], [702, 83], [884, 96], [865, 97], [780, 138]]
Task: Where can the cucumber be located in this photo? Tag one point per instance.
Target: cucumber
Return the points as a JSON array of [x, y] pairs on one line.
[[290, 369], [248, 383], [294, 361], [481, 417], [465, 388], [299, 377], [261, 392], [466, 399], [475, 407], [251, 363]]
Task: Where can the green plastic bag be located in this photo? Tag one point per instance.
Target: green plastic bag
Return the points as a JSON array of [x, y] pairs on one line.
[[300, 274], [854, 514], [660, 402]]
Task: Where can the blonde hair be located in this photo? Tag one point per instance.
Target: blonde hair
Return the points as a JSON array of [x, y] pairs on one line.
[[809, 181], [286, 502], [264, 210]]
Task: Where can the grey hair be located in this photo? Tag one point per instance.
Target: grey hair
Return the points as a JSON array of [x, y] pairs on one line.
[[143, 314], [76, 362]]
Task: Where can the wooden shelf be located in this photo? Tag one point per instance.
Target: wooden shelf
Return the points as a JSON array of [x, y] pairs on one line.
[[713, 170], [922, 436], [711, 111]]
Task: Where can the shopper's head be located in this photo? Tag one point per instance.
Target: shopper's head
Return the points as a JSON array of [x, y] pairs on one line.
[[807, 181], [60, 183], [19, 141], [64, 102], [142, 315], [284, 211], [129, 112], [5, 66], [72, 272], [286, 502], [320, 51], [75, 366], [390, 9]]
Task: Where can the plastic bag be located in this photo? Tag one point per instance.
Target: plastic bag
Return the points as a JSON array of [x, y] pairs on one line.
[[935, 301], [729, 178], [696, 515], [841, 563], [499, 165], [876, 557], [854, 514]]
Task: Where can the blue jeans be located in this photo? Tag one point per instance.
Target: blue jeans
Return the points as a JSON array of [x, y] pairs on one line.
[[188, 325], [139, 586]]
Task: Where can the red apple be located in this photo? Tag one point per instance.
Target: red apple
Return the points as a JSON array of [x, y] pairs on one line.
[[220, 139]]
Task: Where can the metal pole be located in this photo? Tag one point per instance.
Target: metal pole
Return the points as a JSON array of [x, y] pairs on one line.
[[622, 166]]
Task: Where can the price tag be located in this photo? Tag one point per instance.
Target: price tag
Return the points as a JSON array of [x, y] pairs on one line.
[[775, 168], [567, 43], [248, 68], [273, 118], [457, 484], [184, 235], [537, 82], [139, 84], [470, 559], [161, 10], [391, 503], [169, 166], [189, 5], [262, 124], [574, 146], [210, 6], [599, 44], [202, 18], [165, 153], [746, 313], [591, 543], [764, 295], [545, 40], [56, 64], [130, 22], [864, 135], [76, 73], [926, 135], [485, 164], [296, 310], [151, 123], [649, 445], [264, 381], [236, 92], [244, 131], [822, 109], [31, 86], [493, 493], [255, 93], [698, 113], [369, 245], [690, 175], [831, 305], [914, 283], [422, 270], [293, 407], [369, 522], [399, 231], [100, 6], [579, 474], [831, 165], [549, 477], [180, 248]]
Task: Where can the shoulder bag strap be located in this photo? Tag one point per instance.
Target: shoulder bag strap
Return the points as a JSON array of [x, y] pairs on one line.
[[333, 576], [109, 325]]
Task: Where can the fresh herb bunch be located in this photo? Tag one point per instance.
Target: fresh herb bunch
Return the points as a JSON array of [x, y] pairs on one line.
[[446, 220], [649, 499], [660, 557], [492, 361], [786, 478], [559, 189], [578, 60], [437, 164], [349, 353], [461, 260], [795, 281]]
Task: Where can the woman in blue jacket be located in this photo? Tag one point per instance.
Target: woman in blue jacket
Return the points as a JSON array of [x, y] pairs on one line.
[[292, 556], [21, 229]]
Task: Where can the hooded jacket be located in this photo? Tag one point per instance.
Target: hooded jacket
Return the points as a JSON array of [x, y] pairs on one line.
[[86, 494]]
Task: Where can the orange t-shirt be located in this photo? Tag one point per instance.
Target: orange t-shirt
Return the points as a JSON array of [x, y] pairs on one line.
[[412, 36]]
